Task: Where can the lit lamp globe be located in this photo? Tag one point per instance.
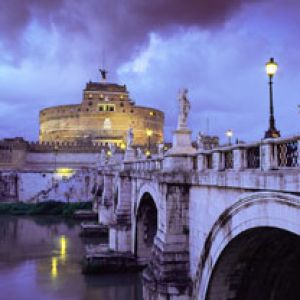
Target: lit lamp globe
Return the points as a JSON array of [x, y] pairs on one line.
[[271, 67], [149, 132], [123, 146], [229, 134]]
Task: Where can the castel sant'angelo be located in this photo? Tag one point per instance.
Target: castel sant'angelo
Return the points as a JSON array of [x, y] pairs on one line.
[[76, 138], [104, 117]]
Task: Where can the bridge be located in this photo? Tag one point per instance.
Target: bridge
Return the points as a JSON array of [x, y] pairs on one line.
[[221, 223]]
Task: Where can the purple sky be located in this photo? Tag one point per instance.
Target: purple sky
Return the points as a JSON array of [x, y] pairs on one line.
[[215, 48]]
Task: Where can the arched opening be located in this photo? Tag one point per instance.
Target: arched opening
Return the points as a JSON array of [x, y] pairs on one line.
[[146, 228], [260, 263]]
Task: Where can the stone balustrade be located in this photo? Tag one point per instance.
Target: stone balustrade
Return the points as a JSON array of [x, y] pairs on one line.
[[264, 155], [267, 154], [147, 165]]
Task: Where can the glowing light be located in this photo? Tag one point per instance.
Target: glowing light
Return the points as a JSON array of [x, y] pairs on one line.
[[108, 153], [148, 153], [229, 133], [149, 132], [54, 267], [123, 146], [63, 247], [271, 67], [151, 113], [63, 171]]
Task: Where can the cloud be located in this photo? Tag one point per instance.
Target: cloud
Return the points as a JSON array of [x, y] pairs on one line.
[[49, 49], [120, 27], [224, 72]]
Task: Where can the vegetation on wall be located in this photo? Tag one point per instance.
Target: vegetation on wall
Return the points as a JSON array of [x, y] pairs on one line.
[[43, 208]]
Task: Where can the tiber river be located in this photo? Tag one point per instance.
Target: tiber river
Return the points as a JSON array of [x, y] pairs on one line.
[[40, 260]]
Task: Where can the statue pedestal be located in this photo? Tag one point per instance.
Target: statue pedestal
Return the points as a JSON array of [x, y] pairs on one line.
[[182, 142], [180, 156], [129, 154]]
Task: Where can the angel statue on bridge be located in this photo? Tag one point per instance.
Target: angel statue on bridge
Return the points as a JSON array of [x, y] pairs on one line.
[[130, 138], [184, 108]]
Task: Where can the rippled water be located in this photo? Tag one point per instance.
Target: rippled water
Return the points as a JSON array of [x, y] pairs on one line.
[[40, 259]]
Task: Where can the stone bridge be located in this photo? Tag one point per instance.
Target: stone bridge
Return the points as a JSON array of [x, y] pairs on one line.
[[214, 224]]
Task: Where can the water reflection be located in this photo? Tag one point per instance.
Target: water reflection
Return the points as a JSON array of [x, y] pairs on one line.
[[42, 255], [63, 247], [55, 261], [54, 267]]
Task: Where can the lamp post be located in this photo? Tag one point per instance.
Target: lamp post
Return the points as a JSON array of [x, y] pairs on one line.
[[55, 156], [271, 68], [149, 133], [229, 134]]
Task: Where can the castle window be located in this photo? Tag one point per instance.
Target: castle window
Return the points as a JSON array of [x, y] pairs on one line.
[[132, 111], [101, 96], [87, 109], [152, 113], [122, 104], [90, 96], [90, 103], [106, 107], [121, 97]]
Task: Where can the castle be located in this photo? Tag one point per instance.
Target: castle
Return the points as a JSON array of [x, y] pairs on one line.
[[76, 138], [104, 117]]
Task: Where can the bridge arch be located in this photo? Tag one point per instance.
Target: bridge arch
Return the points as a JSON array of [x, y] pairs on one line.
[[146, 225], [152, 189], [258, 227]]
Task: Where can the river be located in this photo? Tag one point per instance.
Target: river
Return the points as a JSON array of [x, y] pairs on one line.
[[40, 260]]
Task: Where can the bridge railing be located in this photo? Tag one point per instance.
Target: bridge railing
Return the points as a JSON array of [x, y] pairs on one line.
[[267, 154], [147, 164]]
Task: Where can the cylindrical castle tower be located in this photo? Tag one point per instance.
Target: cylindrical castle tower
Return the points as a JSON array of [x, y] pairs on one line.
[[104, 116]]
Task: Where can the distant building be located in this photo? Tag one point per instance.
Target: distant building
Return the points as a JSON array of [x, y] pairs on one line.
[[104, 116]]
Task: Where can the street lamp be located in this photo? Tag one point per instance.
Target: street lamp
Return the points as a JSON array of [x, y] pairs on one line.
[[149, 133], [229, 134], [123, 146], [271, 68], [55, 155]]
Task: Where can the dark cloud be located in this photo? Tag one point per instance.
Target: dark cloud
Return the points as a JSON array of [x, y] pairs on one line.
[[120, 27]]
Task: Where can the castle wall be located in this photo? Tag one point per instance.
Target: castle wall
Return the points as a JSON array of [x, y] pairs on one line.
[[68, 126], [51, 161]]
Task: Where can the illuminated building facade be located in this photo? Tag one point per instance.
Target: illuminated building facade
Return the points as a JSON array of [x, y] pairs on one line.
[[104, 116]]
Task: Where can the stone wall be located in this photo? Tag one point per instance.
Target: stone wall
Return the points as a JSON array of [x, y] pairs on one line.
[[44, 186]]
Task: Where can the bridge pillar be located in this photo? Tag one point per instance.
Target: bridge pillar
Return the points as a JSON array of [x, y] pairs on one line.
[[167, 275], [269, 156], [105, 212], [218, 161], [239, 162], [120, 231], [201, 162]]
